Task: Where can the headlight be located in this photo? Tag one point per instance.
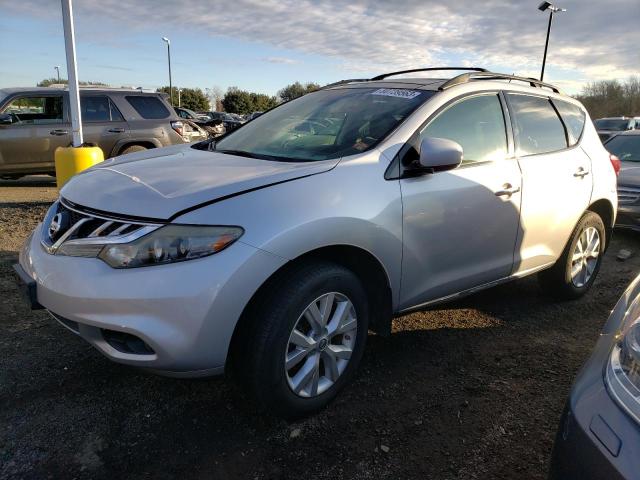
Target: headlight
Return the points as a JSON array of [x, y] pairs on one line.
[[623, 369], [172, 243]]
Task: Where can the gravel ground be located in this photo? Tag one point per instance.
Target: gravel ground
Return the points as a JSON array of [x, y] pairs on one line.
[[472, 389]]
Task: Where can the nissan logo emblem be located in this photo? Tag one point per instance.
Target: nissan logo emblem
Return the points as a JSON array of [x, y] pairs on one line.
[[56, 225]]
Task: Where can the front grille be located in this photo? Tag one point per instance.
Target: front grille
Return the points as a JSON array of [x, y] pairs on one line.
[[65, 227], [628, 195]]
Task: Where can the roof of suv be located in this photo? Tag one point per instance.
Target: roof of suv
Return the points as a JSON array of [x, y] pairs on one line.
[[420, 83], [129, 91]]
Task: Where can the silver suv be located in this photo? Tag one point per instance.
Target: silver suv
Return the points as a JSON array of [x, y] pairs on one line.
[[35, 121], [274, 250]]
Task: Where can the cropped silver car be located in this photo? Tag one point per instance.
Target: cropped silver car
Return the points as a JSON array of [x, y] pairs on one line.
[[274, 250]]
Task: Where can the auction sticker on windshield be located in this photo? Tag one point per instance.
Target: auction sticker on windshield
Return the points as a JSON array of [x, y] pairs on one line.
[[396, 92]]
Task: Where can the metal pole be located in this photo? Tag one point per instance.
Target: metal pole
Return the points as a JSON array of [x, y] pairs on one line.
[[58, 70], [170, 85], [72, 72], [546, 46], [179, 104]]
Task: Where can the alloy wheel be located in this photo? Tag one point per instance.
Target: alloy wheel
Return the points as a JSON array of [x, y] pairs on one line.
[[585, 257], [321, 344]]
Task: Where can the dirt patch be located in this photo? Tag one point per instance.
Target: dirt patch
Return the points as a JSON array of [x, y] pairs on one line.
[[468, 390]]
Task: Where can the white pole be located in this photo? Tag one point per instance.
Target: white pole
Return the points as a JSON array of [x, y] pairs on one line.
[[72, 72]]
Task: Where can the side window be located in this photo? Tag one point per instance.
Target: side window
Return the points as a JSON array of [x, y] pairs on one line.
[[148, 107], [34, 110], [116, 116], [538, 128], [477, 124], [574, 119], [99, 109]]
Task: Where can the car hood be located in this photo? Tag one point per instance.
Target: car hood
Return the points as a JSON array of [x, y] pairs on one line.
[[629, 174], [159, 184]]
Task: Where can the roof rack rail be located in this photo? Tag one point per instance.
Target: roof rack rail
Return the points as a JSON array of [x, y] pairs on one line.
[[467, 77], [429, 69], [342, 82]]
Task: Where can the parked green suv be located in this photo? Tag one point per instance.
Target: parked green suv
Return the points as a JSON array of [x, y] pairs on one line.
[[35, 121]]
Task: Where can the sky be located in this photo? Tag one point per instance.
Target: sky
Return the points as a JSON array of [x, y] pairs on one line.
[[263, 45]]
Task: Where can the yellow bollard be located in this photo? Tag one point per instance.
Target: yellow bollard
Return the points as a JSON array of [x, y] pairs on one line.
[[72, 160]]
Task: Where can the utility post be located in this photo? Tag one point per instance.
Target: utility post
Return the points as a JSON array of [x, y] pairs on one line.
[[77, 157]]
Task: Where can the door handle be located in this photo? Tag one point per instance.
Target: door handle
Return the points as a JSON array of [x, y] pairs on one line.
[[59, 132], [116, 130], [581, 173], [507, 190]]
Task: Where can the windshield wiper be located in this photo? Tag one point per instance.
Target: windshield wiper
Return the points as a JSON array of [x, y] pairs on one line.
[[259, 156], [240, 153]]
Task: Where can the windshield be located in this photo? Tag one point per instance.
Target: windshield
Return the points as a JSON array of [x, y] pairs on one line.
[[612, 124], [325, 124], [625, 147]]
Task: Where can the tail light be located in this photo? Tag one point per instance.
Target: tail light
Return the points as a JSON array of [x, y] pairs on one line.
[[615, 163], [178, 127]]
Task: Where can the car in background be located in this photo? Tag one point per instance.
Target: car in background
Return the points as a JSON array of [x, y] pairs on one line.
[[35, 121], [626, 147], [253, 115], [194, 132], [610, 126], [214, 127], [230, 122], [599, 433]]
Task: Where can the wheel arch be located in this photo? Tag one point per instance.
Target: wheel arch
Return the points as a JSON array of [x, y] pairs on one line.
[[121, 146], [604, 209], [362, 263]]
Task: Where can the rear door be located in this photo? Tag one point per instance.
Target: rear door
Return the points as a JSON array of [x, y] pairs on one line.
[[556, 176], [102, 122], [39, 126]]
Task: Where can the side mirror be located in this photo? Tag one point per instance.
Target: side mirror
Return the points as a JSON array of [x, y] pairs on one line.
[[6, 119], [440, 154]]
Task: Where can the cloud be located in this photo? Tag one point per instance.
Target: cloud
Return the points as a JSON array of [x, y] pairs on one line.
[[280, 60], [114, 67], [590, 41]]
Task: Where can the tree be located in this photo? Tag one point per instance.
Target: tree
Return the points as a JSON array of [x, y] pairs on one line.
[[215, 95], [63, 81], [296, 90], [192, 98], [611, 98], [243, 102]]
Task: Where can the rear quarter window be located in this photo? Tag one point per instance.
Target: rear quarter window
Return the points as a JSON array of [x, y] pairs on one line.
[[148, 107], [538, 128], [574, 119]]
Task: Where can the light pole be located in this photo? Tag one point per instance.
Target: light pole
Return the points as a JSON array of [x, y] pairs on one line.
[[57, 69], [552, 9], [168, 42]]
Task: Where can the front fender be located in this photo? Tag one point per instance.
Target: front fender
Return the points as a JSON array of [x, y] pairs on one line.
[[349, 205]]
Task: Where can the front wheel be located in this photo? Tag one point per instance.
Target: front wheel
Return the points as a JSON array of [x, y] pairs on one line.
[[305, 341], [576, 269]]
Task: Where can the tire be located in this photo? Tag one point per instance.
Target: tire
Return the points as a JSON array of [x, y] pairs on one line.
[[558, 281], [132, 149], [269, 338]]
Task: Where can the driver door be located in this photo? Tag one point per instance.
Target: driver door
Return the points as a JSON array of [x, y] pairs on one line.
[[460, 226], [37, 129]]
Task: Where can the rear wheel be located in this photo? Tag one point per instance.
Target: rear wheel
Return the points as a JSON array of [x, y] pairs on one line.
[[305, 341], [576, 269], [132, 149]]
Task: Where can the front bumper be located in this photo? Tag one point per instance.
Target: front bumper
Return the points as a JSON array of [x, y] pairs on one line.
[[185, 312], [596, 438]]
